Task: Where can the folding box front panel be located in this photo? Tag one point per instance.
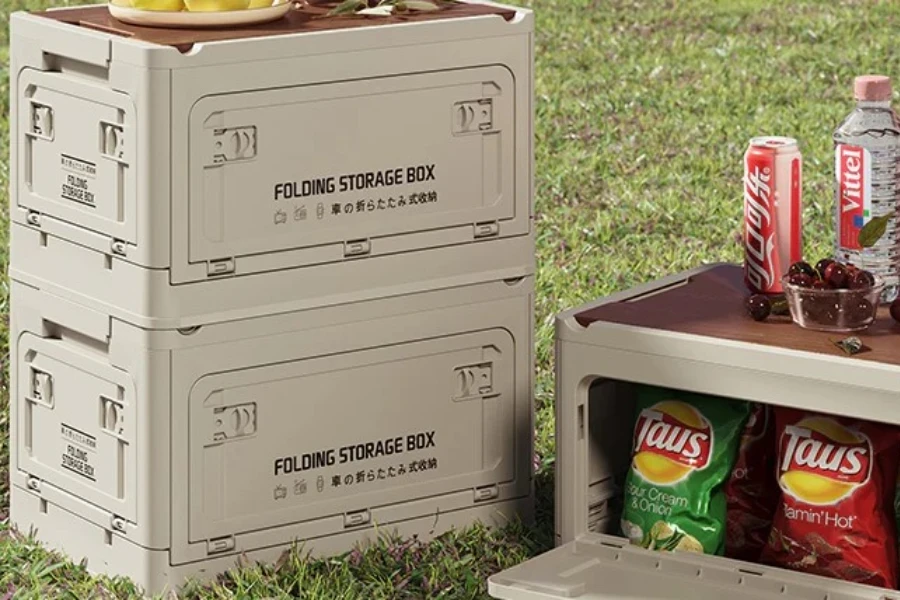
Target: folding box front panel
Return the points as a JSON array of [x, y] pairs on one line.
[[400, 409], [75, 156], [318, 165], [75, 423], [338, 434]]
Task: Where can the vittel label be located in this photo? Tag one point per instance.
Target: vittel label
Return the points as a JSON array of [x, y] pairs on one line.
[[821, 462], [853, 169], [759, 219]]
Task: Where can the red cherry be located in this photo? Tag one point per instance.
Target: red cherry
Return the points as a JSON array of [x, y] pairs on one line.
[[836, 275], [758, 306], [800, 280], [822, 265], [860, 280], [895, 310], [802, 267]]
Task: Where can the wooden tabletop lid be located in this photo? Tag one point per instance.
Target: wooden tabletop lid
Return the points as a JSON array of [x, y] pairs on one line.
[[304, 17], [711, 304]]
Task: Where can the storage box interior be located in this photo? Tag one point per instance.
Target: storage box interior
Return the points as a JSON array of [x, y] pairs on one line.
[[608, 427]]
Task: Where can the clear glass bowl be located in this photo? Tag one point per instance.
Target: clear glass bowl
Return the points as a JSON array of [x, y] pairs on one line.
[[833, 310]]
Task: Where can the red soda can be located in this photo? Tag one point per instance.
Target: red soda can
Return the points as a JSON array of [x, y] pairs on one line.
[[773, 169]]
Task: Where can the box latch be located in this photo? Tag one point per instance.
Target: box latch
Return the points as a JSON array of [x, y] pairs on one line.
[[41, 388], [223, 266], [489, 492], [233, 144], [118, 247], [41, 121], [112, 141], [220, 545], [233, 422], [487, 230], [474, 381], [355, 519], [357, 248], [474, 116]]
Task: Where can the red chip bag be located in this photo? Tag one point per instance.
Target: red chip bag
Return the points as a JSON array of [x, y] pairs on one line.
[[752, 492], [835, 512]]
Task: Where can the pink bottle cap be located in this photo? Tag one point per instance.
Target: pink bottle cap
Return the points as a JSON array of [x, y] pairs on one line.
[[872, 88]]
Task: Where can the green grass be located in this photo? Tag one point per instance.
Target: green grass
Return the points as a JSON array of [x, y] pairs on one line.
[[643, 111]]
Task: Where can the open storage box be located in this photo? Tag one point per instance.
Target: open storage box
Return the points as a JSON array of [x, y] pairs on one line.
[[685, 332]]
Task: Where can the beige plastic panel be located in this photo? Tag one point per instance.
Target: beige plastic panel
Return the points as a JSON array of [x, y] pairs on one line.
[[337, 434], [76, 147], [76, 423], [311, 381], [114, 555], [144, 297], [597, 567], [323, 164], [108, 401]]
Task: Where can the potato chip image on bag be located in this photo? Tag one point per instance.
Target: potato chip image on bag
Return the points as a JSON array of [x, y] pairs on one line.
[[683, 451]]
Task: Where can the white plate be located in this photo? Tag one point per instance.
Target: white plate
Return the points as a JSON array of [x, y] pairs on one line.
[[190, 20]]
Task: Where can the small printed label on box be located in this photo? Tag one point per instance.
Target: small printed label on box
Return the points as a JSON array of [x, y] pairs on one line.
[[76, 456], [76, 182]]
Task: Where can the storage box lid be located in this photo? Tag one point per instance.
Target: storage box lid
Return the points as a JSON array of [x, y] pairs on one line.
[[710, 303], [304, 17]]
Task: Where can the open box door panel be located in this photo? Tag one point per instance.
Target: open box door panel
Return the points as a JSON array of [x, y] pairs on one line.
[[599, 567]]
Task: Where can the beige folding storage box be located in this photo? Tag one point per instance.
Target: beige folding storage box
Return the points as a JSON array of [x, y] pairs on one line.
[[685, 332], [177, 177], [165, 454]]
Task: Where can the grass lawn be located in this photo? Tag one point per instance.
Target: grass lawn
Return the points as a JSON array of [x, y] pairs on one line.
[[643, 112]]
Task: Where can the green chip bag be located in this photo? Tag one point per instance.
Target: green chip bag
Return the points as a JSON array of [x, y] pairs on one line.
[[683, 451]]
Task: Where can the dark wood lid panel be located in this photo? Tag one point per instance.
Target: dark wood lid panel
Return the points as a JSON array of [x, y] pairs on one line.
[[302, 18], [711, 304]]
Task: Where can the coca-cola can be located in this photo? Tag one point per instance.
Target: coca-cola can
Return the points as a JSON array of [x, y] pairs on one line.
[[773, 170]]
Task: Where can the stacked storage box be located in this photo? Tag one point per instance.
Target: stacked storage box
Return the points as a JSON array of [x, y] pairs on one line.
[[268, 285]]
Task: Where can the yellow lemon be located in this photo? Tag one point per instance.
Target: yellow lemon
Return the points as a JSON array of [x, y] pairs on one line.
[[815, 489], [260, 3], [159, 5], [659, 469], [216, 5]]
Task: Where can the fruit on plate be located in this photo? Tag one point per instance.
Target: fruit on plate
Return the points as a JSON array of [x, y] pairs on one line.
[[159, 5], [260, 3], [216, 5]]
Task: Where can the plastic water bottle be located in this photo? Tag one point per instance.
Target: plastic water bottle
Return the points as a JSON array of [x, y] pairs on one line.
[[867, 181]]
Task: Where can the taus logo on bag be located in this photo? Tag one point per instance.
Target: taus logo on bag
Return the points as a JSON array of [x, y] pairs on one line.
[[671, 440], [821, 462]]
